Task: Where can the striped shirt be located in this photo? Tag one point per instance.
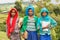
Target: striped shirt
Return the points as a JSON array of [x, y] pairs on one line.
[[31, 25]]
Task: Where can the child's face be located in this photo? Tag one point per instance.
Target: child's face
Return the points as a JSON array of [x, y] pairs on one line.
[[44, 14], [30, 12], [13, 13]]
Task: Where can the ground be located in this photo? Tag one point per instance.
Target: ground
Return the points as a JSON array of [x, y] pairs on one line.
[[3, 36]]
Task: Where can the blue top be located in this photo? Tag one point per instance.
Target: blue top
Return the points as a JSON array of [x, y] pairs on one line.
[[46, 19]]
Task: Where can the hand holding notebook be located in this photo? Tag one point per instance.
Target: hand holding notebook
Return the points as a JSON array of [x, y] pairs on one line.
[[45, 25]]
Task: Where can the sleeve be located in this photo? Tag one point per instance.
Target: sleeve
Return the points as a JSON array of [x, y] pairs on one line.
[[38, 23], [23, 26], [53, 23]]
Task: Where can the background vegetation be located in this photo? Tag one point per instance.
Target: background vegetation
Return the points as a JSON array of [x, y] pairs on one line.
[[54, 12]]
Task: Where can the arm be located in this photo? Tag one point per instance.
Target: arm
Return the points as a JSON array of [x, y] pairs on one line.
[[38, 24], [53, 23], [20, 22], [23, 26]]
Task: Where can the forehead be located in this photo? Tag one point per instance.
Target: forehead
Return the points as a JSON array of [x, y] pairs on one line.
[[30, 10], [13, 10], [44, 12]]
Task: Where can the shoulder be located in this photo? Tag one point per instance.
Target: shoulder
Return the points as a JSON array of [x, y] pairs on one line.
[[40, 18], [20, 19], [36, 17], [25, 17], [50, 17]]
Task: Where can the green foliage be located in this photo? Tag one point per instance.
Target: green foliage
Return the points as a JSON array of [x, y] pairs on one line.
[[21, 14], [3, 22], [57, 30], [54, 9], [0, 10], [57, 10], [3, 36], [37, 11], [18, 6], [2, 27]]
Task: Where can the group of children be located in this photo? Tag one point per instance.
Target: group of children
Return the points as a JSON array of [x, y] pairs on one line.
[[29, 25]]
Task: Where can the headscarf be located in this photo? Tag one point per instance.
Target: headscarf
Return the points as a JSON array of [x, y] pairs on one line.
[[11, 27], [27, 9]]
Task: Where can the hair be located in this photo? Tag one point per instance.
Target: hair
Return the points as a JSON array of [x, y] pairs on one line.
[[29, 9]]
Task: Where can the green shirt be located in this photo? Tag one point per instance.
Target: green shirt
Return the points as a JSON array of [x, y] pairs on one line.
[[25, 21]]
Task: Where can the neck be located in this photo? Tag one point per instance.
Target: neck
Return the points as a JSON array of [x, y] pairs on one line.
[[12, 17], [31, 16]]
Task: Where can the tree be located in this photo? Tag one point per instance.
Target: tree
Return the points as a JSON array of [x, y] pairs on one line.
[[56, 10], [18, 6]]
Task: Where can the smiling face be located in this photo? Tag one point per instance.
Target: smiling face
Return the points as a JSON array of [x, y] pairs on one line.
[[44, 14], [13, 13], [30, 12]]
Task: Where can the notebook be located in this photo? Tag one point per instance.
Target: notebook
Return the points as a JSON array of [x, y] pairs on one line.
[[44, 24]]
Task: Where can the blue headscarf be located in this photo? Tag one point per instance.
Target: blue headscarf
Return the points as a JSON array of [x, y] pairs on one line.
[[44, 10], [27, 9], [45, 17]]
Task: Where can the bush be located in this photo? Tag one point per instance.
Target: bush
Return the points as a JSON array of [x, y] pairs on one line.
[[18, 6], [0, 10], [2, 27]]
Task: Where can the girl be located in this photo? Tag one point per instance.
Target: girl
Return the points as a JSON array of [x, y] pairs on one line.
[[30, 24], [45, 23], [12, 25]]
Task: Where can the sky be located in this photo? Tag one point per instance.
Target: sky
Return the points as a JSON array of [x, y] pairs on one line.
[[7, 1], [54, 2], [12, 1], [28, 0]]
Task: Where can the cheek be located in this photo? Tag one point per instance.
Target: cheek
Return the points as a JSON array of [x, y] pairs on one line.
[[13, 14], [30, 12], [44, 14]]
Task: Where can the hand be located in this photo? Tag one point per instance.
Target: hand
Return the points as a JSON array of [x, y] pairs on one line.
[[9, 36], [50, 27], [25, 35]]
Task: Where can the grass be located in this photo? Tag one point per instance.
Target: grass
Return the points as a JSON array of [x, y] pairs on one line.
[[3, 36], [2, 17]]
